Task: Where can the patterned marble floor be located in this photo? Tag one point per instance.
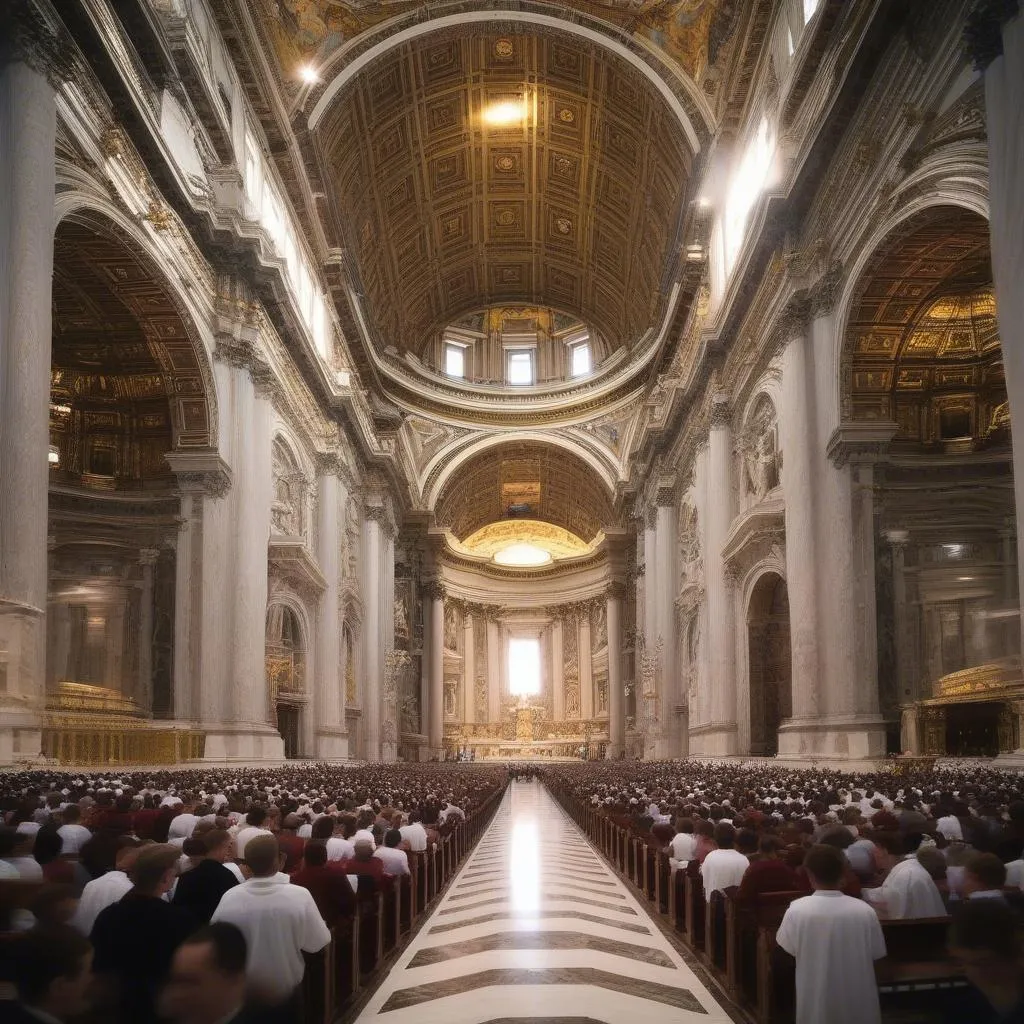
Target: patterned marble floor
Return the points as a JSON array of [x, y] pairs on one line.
[[535, 927]]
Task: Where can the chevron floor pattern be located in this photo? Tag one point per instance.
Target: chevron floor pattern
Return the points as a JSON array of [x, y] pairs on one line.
[[535, 927]]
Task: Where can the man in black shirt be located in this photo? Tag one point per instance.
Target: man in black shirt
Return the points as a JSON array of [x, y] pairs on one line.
[[200, 889], [135, 938]]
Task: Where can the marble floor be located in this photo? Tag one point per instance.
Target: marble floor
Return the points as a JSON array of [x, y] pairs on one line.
[[536, 927]]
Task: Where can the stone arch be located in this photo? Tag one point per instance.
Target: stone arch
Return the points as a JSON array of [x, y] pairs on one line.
[[769, 660], [173, 326]]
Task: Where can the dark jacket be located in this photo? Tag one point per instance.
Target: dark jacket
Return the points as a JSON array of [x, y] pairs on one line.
[[200, 889]]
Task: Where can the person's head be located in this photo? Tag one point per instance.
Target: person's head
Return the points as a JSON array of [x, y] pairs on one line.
[[52, 970], [263, 856], [824, 866], [256, 817], [392, 838], [838, 837], [71, 814], [932, 860], [291, 822], [48, 846], [206, 982], [323, 828], [984, 939], [217, 844], [154, 869], [982, 873], [128, 850], [684, 825], [725, 835], [746, 841], [315, 853], [769, 846], [364, 849], [54, 904]]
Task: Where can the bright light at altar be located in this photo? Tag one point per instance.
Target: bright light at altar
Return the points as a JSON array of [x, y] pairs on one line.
[[523, 666]]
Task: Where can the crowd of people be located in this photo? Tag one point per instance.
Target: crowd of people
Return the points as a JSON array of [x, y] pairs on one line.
[[864, 847], [191, 896]]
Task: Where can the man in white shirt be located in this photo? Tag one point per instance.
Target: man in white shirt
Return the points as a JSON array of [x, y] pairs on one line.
[[279, 921], [253, 827], [73, 835], [414, 833], [725, 866], [16, 850], [109, 888], [683, 845], [181, 828], [836, 940], [908, 891], [395, 860]]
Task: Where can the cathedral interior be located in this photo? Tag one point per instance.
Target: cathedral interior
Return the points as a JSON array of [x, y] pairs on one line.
[[387, 379]]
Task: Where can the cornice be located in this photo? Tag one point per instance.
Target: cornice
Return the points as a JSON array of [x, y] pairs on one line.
[[200, 471], [860, 442], [983, 33]]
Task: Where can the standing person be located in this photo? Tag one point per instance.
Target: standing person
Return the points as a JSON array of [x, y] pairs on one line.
[[332, 892], [724, 866], [51, 968], [279, 921], [200, 889], [108, 888], [136, 937], [836, 940]]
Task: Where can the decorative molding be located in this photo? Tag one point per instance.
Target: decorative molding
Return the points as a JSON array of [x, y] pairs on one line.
[[860, 442], [983, 34], [44, 45], [720, 414], [200, 472]]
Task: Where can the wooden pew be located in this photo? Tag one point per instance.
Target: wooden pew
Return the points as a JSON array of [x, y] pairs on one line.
[[695, 913], [715, 929], [662, 878], [318, 998], [371, 933], [741, 931], [345, 940], [677, 899]]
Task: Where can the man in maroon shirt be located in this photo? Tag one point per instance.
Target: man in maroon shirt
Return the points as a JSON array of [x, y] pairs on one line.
[[768, 873], [365, 864], [329, 886], [290, 844]]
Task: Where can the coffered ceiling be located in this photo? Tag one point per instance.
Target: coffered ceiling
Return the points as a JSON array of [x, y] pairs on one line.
[[575, 204], [547, 483]]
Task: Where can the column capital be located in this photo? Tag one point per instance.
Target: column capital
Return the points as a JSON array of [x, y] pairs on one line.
[[381, 515], [27, 36], [665, 491], [433, 590], [983, 33], [651, 517], [615, 590], [329, 463], [860, 442], [720, 414], [201, 472]]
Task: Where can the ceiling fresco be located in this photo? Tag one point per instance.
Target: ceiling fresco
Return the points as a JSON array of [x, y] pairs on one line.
[[575, 203], [691, 32]]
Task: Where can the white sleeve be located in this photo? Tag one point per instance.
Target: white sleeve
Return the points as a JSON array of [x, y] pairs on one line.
[[877, 939], [315, 933], [786, 936]]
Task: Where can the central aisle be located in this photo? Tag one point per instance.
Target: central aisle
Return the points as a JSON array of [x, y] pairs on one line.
[[535, 925]]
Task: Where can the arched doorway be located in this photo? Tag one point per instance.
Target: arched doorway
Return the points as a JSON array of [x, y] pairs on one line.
[[923, 357], [771, 679], [286, 675]]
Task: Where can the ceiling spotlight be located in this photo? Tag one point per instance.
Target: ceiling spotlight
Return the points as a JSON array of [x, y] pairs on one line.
[[308, 74], [506, 112], [703, 202]]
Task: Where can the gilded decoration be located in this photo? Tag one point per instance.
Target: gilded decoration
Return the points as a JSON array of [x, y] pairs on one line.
[[491, 540], [691, 32], [574, 212]]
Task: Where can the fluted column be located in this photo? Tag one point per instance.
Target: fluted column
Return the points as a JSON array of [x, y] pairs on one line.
[[721, 730], [667, 582], [586, 665], [27, 183], [469, 669], [373, 659], [558, 669], [796, 437], [494, 654], [616, 697], [331, 739], [435, 713], [144, 687]]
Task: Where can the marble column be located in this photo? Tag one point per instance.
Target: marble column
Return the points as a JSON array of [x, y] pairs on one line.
[[144, 687], [469, 669], [667, 582], [650, 617], [390, 725], [586, 665], [373, 660], [897, 540], [720, 737], [796, 439], [998, 49], [435, 712], [330, 736], [27, 185], [616, 696], [493, 670], [558, 670]]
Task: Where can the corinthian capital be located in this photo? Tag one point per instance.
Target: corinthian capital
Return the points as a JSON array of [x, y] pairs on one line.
[[28, 36]]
